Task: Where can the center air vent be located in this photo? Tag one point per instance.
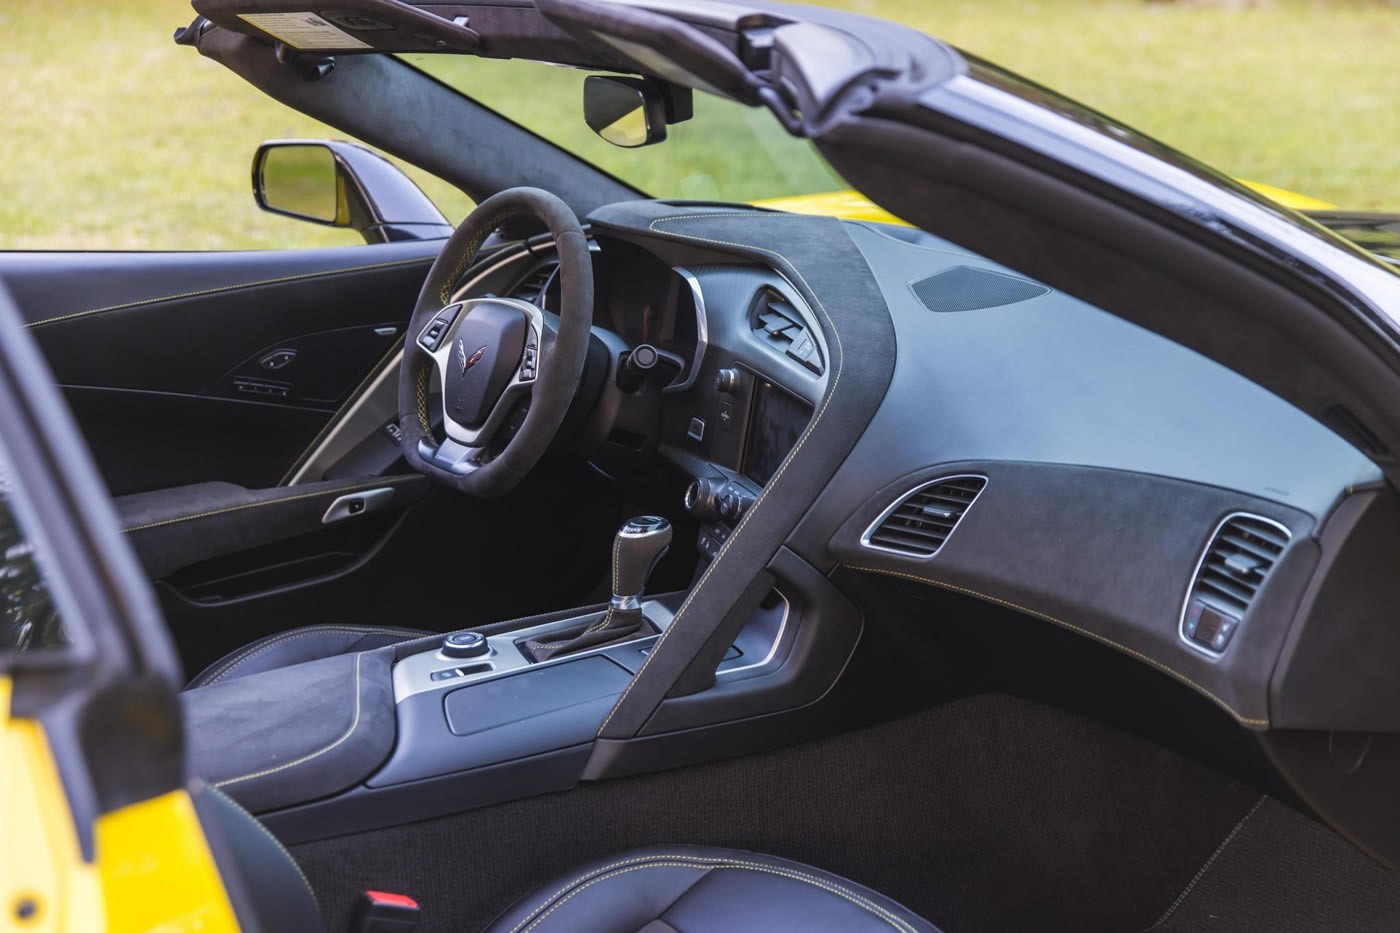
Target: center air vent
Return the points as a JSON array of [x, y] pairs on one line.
[[919, 524], [1234, 566], [776, 322], [533, 286]]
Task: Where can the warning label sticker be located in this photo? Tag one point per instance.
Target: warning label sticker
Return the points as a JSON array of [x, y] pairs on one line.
[[303, 31]]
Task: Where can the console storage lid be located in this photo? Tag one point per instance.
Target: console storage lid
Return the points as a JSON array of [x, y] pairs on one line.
[[293, 734]]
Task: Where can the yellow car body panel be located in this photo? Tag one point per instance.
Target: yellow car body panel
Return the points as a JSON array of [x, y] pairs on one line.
[[153, 871], [42, 872], [850, 205]]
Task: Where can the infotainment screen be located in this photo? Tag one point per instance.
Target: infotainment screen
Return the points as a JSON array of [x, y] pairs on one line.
[[777, 420]]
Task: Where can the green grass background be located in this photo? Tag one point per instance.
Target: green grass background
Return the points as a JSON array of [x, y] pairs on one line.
[[112, 137]]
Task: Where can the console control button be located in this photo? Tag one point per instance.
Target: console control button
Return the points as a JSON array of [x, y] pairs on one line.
[[728, 380], [465, 645]]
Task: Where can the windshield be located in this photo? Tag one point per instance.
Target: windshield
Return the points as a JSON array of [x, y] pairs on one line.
[[727, 152]]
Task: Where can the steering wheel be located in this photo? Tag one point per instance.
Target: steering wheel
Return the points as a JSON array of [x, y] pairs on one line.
[[495, 357]]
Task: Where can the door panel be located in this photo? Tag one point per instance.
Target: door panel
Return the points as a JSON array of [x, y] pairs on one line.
[[194, 367]]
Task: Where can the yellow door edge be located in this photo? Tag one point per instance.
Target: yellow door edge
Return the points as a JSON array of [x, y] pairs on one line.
[[153, 871]]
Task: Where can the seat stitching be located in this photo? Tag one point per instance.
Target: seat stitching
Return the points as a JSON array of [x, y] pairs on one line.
[[354, 724], [219, 289], [275, 841], [618, 865], [343, 490], [782, 469], [892, 919], [1074, 628], [248, 652], [1195, 879]]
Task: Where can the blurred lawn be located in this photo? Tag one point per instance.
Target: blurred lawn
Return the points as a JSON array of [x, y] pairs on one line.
[[113, 137]]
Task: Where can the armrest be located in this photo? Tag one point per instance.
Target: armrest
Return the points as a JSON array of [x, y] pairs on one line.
[[174, 528]]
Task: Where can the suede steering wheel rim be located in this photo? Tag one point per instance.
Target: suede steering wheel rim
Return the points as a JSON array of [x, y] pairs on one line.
[[493, 355]]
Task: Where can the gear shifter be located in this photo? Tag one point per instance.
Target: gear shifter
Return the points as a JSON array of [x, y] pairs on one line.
[[639, 545]]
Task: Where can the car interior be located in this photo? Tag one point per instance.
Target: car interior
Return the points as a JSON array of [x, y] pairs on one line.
[[793, 557]]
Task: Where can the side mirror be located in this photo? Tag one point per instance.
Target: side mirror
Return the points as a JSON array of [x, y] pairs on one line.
[[342, 184], [633, 112]]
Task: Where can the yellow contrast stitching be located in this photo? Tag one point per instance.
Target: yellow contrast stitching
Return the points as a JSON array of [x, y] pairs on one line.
[[219, 289], [354, 724], [1074, 628], [772, 483], [253, 505], [732, 864], [252, 651], [354, 394], [424, 372], [469, 254], [268, 833]]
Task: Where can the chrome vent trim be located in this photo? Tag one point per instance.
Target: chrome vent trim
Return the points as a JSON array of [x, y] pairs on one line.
[[920, 522], [1233, 567]]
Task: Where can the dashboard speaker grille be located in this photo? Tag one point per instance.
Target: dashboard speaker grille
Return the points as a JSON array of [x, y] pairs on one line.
[[920, 523], [1236, 563], [964, 288]]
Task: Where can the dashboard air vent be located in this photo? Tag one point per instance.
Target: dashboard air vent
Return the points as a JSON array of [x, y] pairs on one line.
[[776, 322], [532, 287], [1233, 567], [920, 523]]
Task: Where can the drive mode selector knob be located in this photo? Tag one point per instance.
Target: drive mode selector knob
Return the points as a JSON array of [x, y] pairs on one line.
[[465, 645]]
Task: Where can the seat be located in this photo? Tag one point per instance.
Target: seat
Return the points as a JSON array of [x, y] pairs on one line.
[[308, 643], [667, 889], [693, 889]]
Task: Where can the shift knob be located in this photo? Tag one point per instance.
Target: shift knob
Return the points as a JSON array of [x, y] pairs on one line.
[[639, 545]]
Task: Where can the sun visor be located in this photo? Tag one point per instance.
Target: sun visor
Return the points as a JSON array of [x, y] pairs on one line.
[[657, 44]]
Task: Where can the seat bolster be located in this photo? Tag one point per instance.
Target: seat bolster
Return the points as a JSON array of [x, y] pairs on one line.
[[293, 734], [699, 890], [264, 883]]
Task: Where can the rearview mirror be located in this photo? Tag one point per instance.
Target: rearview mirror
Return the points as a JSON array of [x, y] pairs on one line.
[[342, 184], [633, 112]]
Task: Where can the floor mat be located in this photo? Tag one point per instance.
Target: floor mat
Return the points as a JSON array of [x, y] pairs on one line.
[[987, 814], [1278, 872]]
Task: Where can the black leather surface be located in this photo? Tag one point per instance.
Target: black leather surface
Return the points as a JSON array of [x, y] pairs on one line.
[[695, 889], [308, 643], [268, 890], [295, 733], [174, 528]]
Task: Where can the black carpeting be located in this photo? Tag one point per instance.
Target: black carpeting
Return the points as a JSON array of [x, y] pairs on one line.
[[985, 814], [1279, 872]]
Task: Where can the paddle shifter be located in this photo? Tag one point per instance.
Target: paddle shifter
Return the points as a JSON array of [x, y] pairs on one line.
[[639, 545]]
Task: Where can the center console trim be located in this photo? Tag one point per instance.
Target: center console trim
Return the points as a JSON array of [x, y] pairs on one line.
[[412, 675]]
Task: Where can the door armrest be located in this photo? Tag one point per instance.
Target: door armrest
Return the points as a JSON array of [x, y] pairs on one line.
[[174, 528]]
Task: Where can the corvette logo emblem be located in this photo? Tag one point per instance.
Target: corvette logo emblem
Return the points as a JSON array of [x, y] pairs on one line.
[[469, 361]]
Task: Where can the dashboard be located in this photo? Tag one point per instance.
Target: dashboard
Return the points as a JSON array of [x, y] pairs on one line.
[[878, 401]]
